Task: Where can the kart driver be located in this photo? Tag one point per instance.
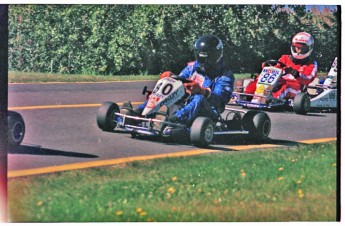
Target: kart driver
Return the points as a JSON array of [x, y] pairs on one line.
[[300, 68], [211, 83]]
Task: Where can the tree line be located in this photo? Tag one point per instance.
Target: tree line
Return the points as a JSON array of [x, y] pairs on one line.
[[148, 39]]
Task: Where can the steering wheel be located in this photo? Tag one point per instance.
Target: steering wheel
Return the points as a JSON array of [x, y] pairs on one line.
[[273, 63], [183, 80]]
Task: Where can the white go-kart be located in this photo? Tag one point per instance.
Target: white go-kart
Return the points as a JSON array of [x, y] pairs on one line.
[[323, 95], [169, 94]]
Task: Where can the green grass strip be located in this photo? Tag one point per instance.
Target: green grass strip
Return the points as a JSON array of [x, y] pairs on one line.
[[33, 77], [286, 184]]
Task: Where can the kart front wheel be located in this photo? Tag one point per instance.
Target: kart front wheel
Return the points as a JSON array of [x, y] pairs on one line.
[[106, 118], [301, 103], [258, 124], [16, 129], [202, 132]]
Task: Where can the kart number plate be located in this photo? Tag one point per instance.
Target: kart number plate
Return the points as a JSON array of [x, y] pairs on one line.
[[269, 75], [166, 92], [268, 79]]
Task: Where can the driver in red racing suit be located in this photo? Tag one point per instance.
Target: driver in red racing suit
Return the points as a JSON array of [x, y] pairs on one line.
[[300, 69]]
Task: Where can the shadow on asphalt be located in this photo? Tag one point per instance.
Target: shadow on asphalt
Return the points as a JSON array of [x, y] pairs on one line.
[[222, 140], [244, 142], [37, 150]]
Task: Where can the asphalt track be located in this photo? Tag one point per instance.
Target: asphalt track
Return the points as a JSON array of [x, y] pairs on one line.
[[62, 133]]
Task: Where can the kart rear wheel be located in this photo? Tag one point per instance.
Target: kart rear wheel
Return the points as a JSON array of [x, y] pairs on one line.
[[16, 129], [106, 119], [301, 103], [258, 124], [202, 132]]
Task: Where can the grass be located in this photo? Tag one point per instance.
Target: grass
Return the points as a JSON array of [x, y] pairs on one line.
[[33, 77], [294, 184]]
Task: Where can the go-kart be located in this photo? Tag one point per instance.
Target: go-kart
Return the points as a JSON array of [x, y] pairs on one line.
[[314, 97], [323, 93], [262, 98], [16, 129], [169, 94]]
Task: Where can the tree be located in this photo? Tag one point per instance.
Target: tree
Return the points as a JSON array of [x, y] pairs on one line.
[[148, 39]]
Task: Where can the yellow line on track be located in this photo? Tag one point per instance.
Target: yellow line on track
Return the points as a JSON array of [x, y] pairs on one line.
[[74, 166], [320, 140], [254, 146], [84, 165], [59, 106]]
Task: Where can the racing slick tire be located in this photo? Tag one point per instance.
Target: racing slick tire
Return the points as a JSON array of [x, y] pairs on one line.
[[105, 116], [202, 132], [258, 124], [16, 129], [301, 104]]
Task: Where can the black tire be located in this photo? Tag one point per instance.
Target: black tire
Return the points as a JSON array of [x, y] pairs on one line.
[[106, 119], [301, 103], [16, 129], [202, 132], [258, 124]]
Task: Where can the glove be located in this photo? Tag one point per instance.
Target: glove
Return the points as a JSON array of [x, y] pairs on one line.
[[293, 72], [166, 74], [195, 88]]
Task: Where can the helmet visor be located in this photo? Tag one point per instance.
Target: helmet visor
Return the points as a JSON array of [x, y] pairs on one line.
[[201, 57], [299, 48], [210, 58]]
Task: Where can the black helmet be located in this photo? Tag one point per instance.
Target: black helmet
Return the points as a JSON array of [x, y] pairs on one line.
[[208, 51]]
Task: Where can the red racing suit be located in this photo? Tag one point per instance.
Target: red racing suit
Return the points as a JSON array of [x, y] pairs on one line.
[[289, 85]]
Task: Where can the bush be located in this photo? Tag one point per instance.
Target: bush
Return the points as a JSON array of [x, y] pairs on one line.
[[148, 39]]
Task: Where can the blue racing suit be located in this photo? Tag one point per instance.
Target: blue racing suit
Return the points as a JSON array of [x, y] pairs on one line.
[[220, 81]]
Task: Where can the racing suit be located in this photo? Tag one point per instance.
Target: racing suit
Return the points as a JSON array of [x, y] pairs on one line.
[[303, 72], [220, 81]]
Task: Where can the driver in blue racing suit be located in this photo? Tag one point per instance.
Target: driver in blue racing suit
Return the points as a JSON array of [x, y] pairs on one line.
[[211, 83]]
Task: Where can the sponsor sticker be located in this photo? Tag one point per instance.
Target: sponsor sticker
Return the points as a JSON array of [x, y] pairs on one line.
[[152, 101], [198, 78], [260, 89]]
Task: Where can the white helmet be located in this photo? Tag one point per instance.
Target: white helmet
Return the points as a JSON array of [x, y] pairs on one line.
[[302, 45]]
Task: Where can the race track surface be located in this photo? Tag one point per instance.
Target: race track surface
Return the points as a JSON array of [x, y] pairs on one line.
[[61, 126]]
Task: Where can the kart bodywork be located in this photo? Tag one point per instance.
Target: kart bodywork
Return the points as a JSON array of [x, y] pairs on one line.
[[169, 94], [314, 97], [323, 96], [262, 98]]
